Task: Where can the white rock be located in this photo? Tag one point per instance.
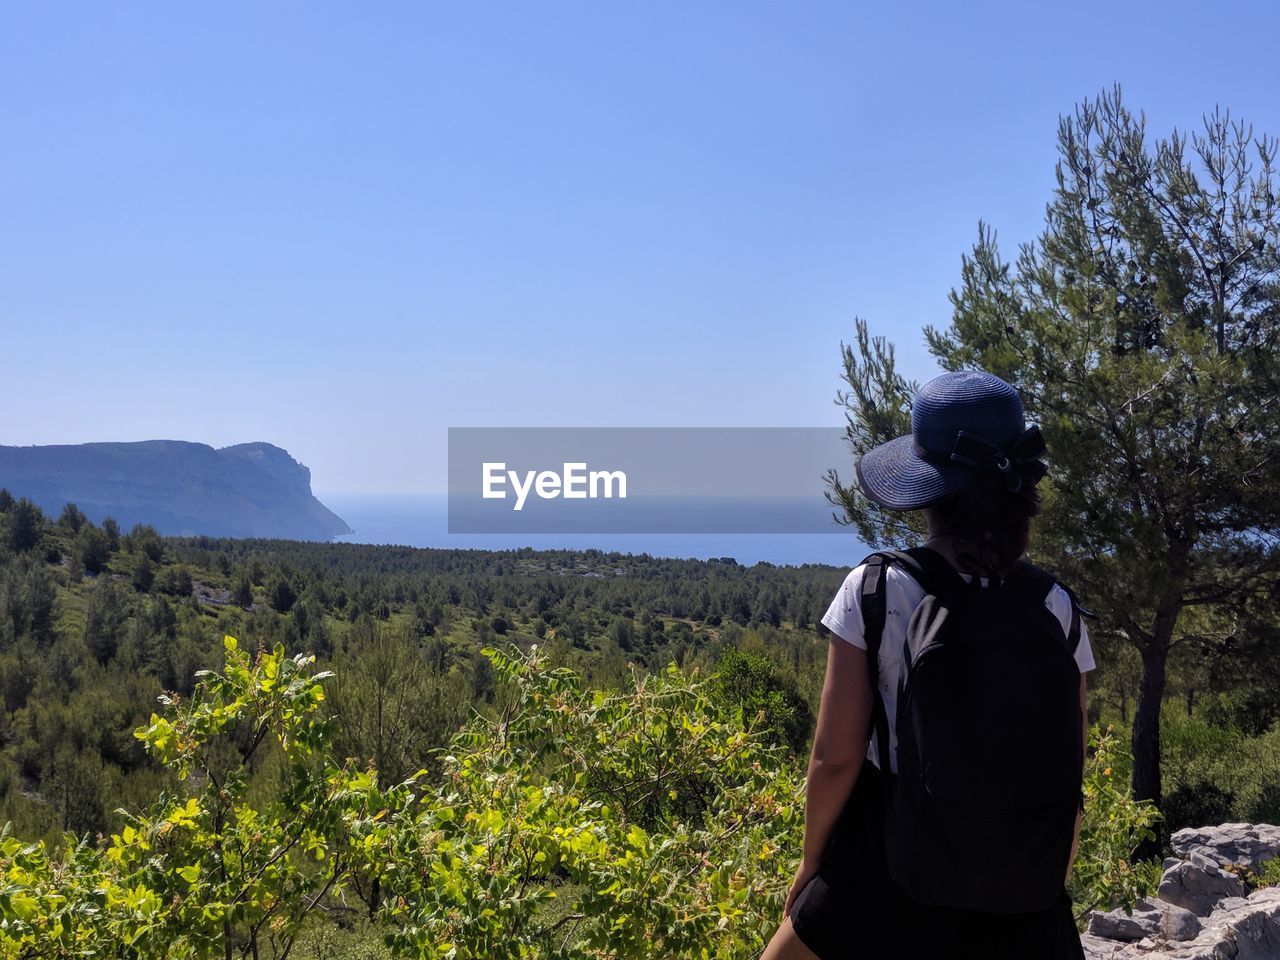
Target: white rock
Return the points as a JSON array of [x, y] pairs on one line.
[[1150, 918], [1248, 929], [1247, 844], [1198, 884]]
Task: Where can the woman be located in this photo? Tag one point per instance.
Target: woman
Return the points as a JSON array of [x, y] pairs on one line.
[[972, 466]]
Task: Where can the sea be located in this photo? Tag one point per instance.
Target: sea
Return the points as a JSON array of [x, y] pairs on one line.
[[421, 520]]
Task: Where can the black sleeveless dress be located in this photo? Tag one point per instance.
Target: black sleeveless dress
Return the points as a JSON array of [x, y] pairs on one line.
[[852, 908]]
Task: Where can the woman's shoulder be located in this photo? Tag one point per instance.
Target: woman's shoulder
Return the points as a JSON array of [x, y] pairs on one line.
[[1061, 603], [897, 580], [904, 588], [894, 571], [903, 593]]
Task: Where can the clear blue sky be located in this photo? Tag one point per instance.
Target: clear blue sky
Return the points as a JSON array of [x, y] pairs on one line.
[[344, 228]]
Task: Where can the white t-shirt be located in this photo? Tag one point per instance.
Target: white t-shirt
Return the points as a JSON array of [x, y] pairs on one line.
[[902, 595]]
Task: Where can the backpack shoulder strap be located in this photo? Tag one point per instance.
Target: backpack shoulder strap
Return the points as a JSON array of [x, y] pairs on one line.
[[1077, 611], [873, 604], [935, 574], [1042, 583]]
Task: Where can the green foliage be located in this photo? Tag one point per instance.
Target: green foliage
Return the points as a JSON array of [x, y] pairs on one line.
[[768, 701], [111, 530], [1215, 774], [662, 826], [205, 871], [174, 581], [242, 595], [104, 621], [23, 523], [144, 539], [282, 595], [390, 706], [72, 518], [89, 550], [1105, 874], [79, 658], [144, 574], [1269, 874], [539, 803], [27, 594]]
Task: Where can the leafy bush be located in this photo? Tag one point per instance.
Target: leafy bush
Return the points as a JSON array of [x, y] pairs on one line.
[[636, 823], [545, 801], [753, 684], [1215, 774], [205, 872], [1269, 873], [1105, 875], [576, 824]]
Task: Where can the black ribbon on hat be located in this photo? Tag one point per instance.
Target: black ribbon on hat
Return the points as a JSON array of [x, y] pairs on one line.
[[1018, 464]]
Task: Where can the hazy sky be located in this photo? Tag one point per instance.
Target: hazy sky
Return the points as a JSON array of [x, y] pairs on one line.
[[344, 228]]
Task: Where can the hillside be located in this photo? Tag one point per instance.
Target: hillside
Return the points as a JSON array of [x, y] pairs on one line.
[[97, 623], [177, 487]]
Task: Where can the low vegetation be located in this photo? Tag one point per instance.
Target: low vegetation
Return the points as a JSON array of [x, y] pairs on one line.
[[452, 753]]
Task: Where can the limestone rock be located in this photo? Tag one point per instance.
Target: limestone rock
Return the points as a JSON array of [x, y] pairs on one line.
[[1198, 883], [1205, 909], [1240, 929], [1150, 918], [1247, 844], [1099, 948], [1250, 931]]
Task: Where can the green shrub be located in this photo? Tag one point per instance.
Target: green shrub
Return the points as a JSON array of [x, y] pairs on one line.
[[205, 871], [1269, 874], [573, 824], [1105, 875], [1214, 774], [660, 825], [768, 700], [322, 939], [586, 824]]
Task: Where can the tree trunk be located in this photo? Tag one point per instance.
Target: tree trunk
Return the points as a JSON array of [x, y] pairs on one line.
[[1146, 741], [1146, 721], [1146, 726]]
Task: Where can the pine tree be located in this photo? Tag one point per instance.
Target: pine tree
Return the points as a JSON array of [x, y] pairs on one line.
[[24, 524]]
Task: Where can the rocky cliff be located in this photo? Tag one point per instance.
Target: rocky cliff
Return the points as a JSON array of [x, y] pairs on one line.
[[1207, 907], [180, 488]]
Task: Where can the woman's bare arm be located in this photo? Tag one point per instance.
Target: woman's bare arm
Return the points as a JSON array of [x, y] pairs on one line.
[[839, 743], [1084, 719]]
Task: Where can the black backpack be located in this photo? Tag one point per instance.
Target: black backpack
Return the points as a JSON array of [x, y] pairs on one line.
[[981, 814]]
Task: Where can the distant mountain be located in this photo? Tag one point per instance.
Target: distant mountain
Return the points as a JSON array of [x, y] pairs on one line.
[[180, 488]]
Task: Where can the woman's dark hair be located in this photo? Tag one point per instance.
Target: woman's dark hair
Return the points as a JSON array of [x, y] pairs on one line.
[[994, 524]]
